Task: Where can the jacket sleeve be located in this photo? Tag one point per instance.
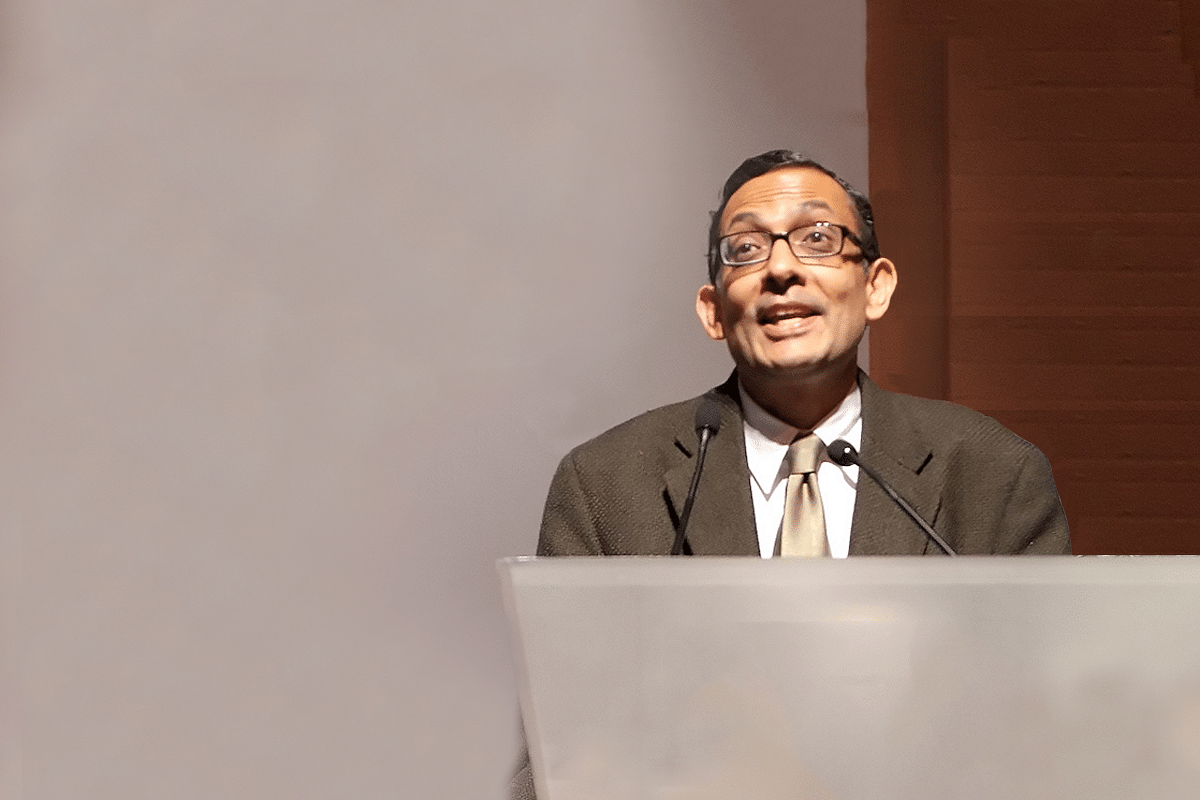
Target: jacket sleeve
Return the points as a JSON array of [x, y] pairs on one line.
[[1034, 519], [568, 521], [520, 787]]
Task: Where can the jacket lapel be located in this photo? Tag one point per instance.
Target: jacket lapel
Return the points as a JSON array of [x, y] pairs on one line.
[[891, 445], [722, 520]]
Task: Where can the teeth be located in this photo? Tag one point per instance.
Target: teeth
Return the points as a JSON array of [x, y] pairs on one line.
[[783, 315]]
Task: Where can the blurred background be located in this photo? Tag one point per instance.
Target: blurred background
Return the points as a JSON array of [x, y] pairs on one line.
[[301, 305]]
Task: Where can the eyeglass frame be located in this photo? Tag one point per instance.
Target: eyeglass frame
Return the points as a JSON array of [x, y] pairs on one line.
[[775, 237]]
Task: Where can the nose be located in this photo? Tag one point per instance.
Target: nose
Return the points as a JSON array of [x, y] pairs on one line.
[[782, 265]]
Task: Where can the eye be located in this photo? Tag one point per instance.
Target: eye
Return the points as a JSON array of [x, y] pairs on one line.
[[819, 239], [740, 248], [816, 236]]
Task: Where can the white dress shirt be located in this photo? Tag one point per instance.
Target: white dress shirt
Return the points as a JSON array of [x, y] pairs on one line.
[[767, 440]]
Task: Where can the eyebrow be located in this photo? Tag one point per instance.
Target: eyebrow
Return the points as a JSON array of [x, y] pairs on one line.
[[808, 205]]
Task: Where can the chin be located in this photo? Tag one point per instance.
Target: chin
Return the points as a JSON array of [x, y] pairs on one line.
[[786, 372], [798, 363], [807, 369]]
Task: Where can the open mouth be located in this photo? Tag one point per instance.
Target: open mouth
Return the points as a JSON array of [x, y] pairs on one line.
[[784, 313]]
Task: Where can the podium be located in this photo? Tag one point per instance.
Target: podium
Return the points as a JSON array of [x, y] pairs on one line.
[[860, 679]]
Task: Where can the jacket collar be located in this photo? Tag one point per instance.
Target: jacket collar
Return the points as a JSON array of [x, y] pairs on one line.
[[722, 520], [892, 444], [723, 516]]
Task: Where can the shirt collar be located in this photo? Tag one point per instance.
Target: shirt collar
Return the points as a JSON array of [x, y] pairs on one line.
[[767, 438]]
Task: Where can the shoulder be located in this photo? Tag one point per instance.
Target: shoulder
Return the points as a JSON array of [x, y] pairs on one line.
[[608, 495], [660, 435], [903, 418], [933, 419], [662, 422], [996, 491]]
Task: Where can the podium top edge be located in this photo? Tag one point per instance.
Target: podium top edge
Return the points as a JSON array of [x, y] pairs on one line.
[[737, 570]]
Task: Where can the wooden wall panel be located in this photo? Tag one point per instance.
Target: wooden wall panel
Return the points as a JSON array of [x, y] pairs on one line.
[[1049, 25], [1053, 340], [907, 161], [1189, 19], [1071, 214], [1077, 157]]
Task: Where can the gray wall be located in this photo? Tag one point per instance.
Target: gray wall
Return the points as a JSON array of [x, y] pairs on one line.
[[301, 304]]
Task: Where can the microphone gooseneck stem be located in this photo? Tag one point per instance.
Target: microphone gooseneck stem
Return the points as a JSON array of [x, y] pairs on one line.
[[681, 532], [841, 452], [912, 512]]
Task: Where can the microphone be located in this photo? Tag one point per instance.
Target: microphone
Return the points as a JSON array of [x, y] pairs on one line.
[[843, 453], [708, 422]]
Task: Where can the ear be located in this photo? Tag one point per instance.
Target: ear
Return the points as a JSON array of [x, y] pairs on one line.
[[881, 282], [708, 309]]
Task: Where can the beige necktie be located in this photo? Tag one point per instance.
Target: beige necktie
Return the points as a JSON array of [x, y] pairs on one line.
[[803, 530]]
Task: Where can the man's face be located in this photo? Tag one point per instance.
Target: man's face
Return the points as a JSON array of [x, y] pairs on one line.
[[789, 317]]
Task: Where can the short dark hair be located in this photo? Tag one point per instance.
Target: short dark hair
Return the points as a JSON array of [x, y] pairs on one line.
[[778, 159]]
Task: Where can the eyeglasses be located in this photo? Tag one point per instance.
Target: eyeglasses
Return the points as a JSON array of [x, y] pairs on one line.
[[818, 240]]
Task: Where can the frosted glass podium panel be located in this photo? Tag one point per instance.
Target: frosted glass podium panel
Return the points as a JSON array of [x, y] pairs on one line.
[[862, 679]]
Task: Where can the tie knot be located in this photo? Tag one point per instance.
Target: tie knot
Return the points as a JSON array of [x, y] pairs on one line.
[[805, 454]]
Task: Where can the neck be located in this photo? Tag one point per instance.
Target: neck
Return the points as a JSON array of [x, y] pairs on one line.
[[803, 401]]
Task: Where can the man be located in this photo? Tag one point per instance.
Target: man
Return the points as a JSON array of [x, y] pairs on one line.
[[795, 277]]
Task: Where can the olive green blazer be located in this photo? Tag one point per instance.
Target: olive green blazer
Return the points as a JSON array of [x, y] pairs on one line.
[[982, 488]]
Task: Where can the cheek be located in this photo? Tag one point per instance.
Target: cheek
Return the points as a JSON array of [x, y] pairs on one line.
[[733, 310], [844, 303], [736, 321], [850, 296], [848, 308]]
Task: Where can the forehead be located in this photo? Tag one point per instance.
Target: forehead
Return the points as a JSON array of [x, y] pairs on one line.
[[785, 194]]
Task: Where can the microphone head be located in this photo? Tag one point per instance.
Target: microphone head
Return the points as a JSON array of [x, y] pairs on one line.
[[708, 415], [842, 452]]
